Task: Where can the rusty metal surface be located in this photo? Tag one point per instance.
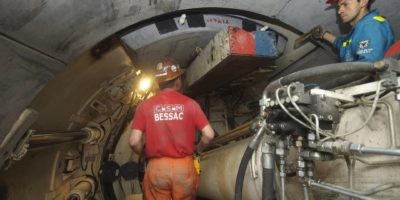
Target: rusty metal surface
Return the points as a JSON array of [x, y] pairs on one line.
[[238, 132], [220, 62]]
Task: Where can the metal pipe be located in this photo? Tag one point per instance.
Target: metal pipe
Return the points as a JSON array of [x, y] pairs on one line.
[[91, 135], [315, 155], [393, 143], [338, 189], [50, 138], [391, 124], [357, 148], [305, 191], [347, 147], [282, 164], [82, 190]]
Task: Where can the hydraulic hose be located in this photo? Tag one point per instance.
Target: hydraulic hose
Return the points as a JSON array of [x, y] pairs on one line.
[[245, 160], [345, 80], [268, 165], [336, 68], [268, 192], [241, 172]]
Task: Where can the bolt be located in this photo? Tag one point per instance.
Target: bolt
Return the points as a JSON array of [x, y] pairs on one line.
[[330, 117], [301, 164], [311, 136], [310, 173], [280, 152], [299, 143], [301, 173], [398, 94], [338, 103]]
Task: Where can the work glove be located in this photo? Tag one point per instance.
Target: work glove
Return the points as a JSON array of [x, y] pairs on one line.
[[199, 148], [317, 33]]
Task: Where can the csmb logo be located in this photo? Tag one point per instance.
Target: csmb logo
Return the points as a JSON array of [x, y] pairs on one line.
[[168, 112], [363, 44]]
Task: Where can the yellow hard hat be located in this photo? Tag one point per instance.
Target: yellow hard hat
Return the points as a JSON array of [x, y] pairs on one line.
[[167, 70]]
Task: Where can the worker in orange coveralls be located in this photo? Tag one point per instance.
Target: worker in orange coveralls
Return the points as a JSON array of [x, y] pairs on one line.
[[169, 120]]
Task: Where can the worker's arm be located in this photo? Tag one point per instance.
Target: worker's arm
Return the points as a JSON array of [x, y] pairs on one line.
[[318, 33], [135, 141], [207, 134], [329, 37]]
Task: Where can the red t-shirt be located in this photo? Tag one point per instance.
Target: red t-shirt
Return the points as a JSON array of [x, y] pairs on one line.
[[169, 120]]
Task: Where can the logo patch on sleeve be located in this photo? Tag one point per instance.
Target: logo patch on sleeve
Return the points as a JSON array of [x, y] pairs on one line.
[[363, 44]]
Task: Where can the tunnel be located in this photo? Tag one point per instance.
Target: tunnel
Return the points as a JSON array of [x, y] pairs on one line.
[[70, 76]]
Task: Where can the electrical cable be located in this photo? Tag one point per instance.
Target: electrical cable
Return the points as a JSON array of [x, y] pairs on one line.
[[292, 116], [286, 111], [296, 106], [82, 155], [368, 118], [303, 114], [316, 125], [381, 188]]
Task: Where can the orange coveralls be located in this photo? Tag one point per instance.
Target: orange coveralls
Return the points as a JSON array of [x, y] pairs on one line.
[[167, 178]]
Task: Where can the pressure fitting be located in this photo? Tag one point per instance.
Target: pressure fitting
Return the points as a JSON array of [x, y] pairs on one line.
[[83, 188], [335, 147], [94, 135]]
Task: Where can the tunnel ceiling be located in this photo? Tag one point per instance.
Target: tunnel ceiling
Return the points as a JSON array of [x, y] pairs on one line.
[[182, 41], [62, 29]]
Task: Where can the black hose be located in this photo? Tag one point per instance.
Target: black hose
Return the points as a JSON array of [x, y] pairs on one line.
[[268, 192], [241, 172], [336, 68], [346, 80], [330, 69]]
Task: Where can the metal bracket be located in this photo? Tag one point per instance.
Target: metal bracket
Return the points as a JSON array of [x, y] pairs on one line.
[[14, 146], [331, 94], [22, 148]]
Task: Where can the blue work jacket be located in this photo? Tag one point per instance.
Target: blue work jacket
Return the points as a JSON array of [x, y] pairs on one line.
[[368, 41]]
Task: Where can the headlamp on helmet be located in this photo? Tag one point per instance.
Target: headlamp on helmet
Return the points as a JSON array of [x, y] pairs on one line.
[[167, 70]]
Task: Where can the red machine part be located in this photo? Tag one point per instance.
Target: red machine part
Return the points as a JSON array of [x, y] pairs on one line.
[[393, 49], [241, 41]]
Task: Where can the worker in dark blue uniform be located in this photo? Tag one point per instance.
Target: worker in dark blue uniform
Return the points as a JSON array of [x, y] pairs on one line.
[[371, 35]]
